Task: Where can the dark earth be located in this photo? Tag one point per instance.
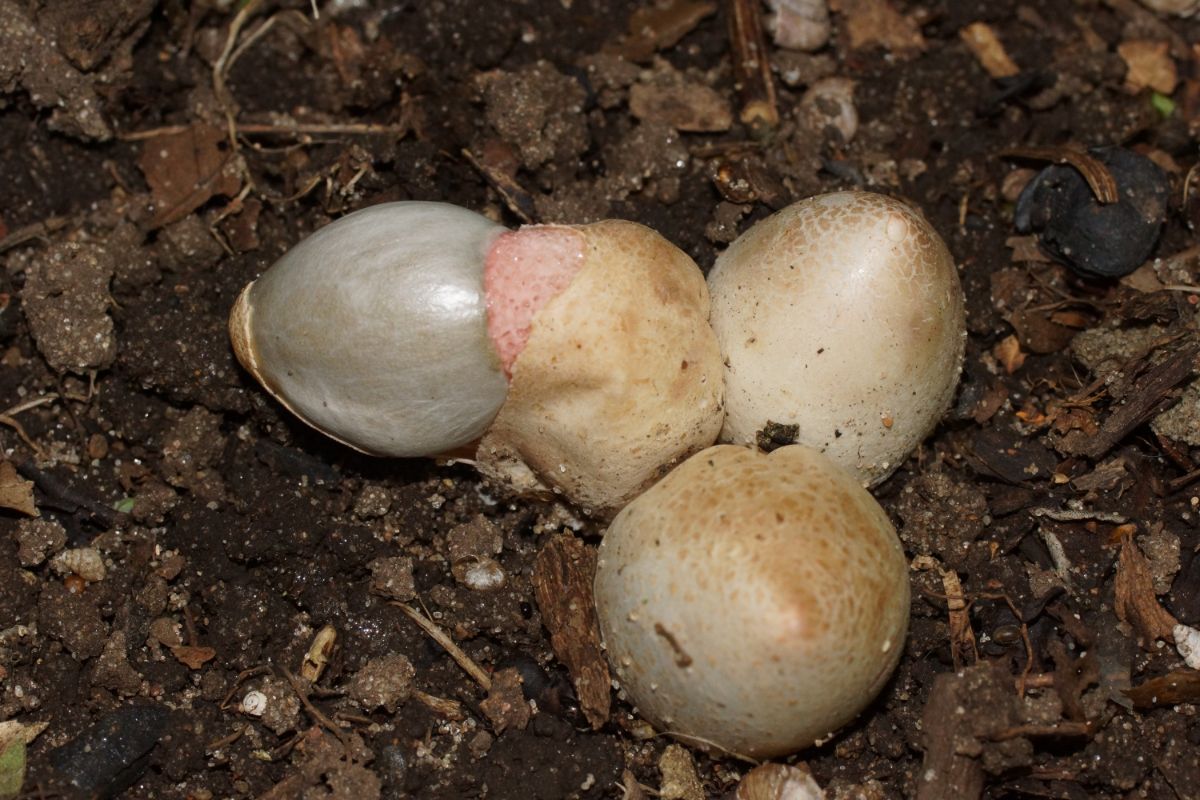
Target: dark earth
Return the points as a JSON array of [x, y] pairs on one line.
[[175, 547]]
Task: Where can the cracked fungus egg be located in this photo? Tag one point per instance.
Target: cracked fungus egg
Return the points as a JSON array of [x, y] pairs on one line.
[[574, 360], [841, 315], [750, 602]]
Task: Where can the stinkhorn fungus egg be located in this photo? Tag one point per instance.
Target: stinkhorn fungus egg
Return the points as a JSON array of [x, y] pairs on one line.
[[751, 602], [578, 358], [841, 315]]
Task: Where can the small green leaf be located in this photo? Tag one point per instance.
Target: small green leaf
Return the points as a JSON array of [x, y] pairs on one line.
[[124, 505], [12, 759], [1162, 104]]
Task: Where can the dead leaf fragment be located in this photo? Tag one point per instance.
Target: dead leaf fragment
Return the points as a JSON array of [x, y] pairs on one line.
[[186, 168], [988, 50], [656, 26], [16, 493], [684, 106], [12, 758], [193, 657], [1038, 333], [562, 583], [505, 705], [1135, 599], [1008, 352], [876, 23], [1149, 66], [1026, 248]]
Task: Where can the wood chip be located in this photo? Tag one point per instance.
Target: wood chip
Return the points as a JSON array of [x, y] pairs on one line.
[[505, 705], [16, 493], [962, 636], [562, 583], [1008, 352], [186, 168], [1180, 686], [1135, 599], [1148, 66], [657, 26], [1104, 477], [876, 23], [193, 657], [442, 706], [1149, 396], [985, 45]]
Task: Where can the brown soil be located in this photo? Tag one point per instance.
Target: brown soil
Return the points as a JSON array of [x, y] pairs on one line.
[[1051, 519]]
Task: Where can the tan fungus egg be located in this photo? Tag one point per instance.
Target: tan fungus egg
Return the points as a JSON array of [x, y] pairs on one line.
[[753, 603], [843, 315], [621, 377]]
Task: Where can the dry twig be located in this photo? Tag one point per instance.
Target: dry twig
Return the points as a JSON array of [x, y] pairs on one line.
[[1098, 178], [751, 66], [438, 635]]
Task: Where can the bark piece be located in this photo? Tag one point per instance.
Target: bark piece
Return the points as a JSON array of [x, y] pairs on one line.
[[965, 713], [1180, 686], [1135, 601], [1150, 395], [562, 582]]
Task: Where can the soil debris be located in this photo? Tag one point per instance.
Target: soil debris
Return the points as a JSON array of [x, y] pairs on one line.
[[17, 494], [66, 301]]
